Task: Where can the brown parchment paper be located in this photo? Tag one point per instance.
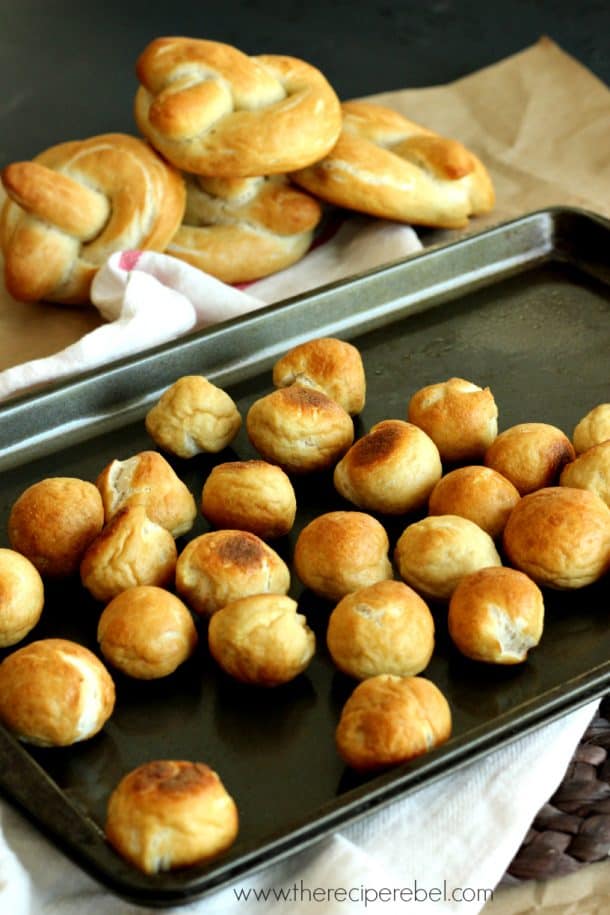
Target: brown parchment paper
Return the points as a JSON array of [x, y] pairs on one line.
[[541, 123], [538, 119]]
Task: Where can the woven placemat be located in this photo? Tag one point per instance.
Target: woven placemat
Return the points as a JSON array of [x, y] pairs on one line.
[[573, 829]]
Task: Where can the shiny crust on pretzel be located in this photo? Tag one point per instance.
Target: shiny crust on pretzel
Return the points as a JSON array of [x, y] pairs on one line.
[[77, 203], [242, 229], [387, 166], [213, 110]]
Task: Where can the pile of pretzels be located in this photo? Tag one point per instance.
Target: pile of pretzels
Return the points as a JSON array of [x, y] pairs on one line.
[[240, 157]]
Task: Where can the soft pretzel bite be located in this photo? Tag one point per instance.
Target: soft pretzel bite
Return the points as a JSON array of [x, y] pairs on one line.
[[75, 204], [241, 229], [169, 814], [213, 110], [387, 166]]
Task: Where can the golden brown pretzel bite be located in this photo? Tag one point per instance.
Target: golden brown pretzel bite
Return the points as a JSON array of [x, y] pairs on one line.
[[212, 110], [169, 814], [77, 203], [387, 166]]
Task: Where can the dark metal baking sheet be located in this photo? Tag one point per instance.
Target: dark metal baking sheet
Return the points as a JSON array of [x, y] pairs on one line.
[[523, 308]]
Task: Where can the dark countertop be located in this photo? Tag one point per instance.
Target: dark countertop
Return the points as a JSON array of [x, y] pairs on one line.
[[67, 67]]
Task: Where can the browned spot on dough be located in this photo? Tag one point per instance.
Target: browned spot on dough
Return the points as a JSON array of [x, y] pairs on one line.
[[172, 777], [241, 466], [242, 549], [303, 396], [377, 445]]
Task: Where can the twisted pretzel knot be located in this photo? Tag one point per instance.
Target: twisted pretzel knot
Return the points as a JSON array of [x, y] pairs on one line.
[[241, 229], [212, 110], [387, 166], [75, 204]]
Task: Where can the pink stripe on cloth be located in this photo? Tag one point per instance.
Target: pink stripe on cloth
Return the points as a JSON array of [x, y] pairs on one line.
[[129, 259]]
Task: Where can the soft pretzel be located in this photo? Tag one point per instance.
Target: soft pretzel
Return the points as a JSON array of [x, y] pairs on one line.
[[78, 202], [212, 110], [241, 229], [387, 166]]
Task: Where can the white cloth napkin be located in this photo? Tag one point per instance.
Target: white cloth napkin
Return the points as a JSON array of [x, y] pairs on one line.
[[149, 298], [455, 836]]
